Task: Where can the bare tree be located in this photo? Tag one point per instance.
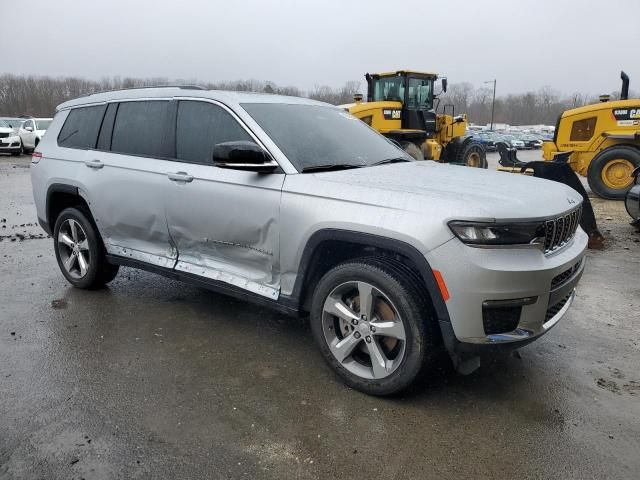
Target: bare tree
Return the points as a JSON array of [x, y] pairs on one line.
[[39, 96]]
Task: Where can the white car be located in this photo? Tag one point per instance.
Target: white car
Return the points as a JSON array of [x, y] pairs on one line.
[[32, 131], [9, 139]]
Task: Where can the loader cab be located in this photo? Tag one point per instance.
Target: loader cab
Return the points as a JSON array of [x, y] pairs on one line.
[[413, 90]]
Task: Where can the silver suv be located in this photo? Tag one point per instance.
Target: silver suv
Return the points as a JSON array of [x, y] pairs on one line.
[[298, 205]]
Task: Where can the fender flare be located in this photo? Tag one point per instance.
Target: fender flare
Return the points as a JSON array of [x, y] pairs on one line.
[[55, 188], [368, 239]]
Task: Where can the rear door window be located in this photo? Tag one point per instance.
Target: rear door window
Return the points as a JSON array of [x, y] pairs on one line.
[[80, 129], [140, 128], [201, 126]]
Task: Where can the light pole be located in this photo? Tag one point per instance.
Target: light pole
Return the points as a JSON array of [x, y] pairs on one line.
[[493, 103]]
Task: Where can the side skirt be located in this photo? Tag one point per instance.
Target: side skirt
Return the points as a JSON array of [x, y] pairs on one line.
[[284, 304]]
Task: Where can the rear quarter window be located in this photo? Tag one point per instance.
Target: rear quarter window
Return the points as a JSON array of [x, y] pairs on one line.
[[80, 129]]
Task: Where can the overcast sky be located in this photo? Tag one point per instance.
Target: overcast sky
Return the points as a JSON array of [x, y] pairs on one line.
[[571, 45]]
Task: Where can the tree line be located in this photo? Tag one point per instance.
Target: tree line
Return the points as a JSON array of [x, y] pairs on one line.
[[39, 95]]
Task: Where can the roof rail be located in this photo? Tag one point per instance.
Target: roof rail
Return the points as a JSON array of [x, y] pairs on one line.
[[183, 87]]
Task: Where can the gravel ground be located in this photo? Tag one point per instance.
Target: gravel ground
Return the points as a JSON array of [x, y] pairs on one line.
[[151, 378]]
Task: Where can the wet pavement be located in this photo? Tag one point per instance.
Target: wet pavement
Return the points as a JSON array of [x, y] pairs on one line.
[[151, 378]]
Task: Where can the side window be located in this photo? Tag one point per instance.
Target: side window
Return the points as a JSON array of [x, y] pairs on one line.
[[201, 126], [80, 129], [582, 130], [139, 128], [27, 124]]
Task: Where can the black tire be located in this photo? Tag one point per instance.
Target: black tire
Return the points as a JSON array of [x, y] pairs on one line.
[[473, 155], [598, 164], [398, 284], [99, 272], [413, 150]]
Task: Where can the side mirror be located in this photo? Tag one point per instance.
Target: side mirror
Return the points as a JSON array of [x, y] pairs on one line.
[[29, 129], [242, 155], [444, 84]]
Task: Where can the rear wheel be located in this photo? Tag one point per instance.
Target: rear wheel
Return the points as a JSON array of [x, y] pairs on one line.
[[610, 172], [372, 326], [79, 250], [473, 155]]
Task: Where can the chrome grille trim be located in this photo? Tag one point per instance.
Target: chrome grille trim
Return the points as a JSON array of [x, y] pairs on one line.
[[559, 230]]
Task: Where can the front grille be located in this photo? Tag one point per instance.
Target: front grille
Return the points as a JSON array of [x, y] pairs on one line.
[[4, 135], [558, 280], [500, 319], [559, 230], [553, 310]]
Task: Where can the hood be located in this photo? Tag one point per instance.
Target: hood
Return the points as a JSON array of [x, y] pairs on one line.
[[7, 130], [443, 191]]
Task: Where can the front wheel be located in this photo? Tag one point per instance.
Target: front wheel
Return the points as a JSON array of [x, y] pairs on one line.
[[473, 155], [372, 326], [79, 250]]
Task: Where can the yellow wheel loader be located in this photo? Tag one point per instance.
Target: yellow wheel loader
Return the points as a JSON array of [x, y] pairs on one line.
[[400, 105], [601, 142]]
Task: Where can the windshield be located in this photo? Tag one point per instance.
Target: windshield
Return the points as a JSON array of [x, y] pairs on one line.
[[313, 136], [42, 124], [14, 122], [4, 124], [388, 89]]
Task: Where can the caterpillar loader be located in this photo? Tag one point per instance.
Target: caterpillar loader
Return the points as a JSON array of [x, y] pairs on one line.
[[602, 142], [400, 105]]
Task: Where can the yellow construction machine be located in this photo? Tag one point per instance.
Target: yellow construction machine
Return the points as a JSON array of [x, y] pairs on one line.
[[400, 105], [602, 142]]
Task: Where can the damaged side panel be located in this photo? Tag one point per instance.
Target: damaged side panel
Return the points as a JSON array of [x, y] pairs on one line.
[[224, 225], [126, 198]]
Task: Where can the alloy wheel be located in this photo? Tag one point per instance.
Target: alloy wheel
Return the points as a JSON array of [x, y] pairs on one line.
[[73, 246], [363, 330]]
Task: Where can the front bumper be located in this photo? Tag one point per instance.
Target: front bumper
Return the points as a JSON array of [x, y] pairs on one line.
[[542, 285], [10, 145]]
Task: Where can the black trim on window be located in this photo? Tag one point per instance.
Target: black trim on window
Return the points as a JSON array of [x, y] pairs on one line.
[[106, 129], [172, 128]]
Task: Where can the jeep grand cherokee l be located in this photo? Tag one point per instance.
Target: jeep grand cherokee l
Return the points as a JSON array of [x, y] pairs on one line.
[[298, 205]]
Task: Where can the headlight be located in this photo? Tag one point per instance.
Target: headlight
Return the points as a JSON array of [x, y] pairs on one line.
[[480, 233]]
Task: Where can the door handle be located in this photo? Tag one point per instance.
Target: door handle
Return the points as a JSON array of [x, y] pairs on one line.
[[94, 164], [180, 177]]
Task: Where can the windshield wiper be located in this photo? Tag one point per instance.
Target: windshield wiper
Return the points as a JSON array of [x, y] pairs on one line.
[[330, 166], [391, 160]]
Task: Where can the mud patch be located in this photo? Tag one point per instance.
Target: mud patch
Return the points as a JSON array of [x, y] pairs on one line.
[[59, 304], [632, 388], [609, 385]]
